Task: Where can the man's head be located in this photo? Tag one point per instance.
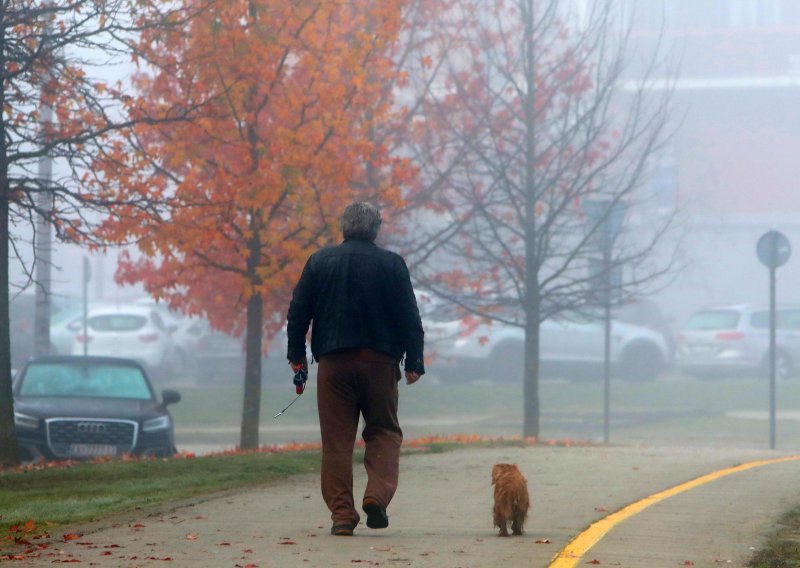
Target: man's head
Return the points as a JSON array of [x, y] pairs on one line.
[[360, 220]]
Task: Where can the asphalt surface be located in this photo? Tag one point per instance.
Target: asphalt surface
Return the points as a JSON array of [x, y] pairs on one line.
[[441, 515]]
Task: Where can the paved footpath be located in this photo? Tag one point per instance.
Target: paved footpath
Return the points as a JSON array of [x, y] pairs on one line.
[[441, 515]]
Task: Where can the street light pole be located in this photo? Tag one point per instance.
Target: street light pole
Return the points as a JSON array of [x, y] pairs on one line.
[[607, 343], [605, 218], [43, 233]]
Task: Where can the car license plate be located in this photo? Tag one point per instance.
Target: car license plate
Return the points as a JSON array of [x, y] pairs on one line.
[[92, 450]]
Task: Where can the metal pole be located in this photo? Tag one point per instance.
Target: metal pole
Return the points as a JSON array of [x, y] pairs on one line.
[[607, 345], [772, 358], [85, 306]]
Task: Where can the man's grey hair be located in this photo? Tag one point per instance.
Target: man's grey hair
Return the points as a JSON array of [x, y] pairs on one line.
[[360, 220]]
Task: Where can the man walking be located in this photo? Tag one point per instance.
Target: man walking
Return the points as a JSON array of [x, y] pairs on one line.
[[365, 319]]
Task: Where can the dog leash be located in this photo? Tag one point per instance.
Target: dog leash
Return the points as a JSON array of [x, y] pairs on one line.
[[300, 378]]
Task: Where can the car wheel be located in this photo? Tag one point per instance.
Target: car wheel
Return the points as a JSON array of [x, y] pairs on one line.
[[640, 362], [784, 368], [507, 362]]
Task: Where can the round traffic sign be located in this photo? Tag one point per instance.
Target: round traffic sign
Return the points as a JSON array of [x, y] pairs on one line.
[[773, 249]]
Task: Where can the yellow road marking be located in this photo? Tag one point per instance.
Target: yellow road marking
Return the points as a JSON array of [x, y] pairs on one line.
[[580, 545]]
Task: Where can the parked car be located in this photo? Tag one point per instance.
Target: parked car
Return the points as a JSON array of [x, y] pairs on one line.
[[181, 330], [733, 340], [130, 331], [645, 312], [571, 346], [71, 407]]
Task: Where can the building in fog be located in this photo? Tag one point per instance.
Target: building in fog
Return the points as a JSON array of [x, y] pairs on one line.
[[733, 161]]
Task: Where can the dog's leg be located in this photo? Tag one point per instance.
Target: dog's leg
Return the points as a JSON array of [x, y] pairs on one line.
[[517, 521], [516, 527], [500, 521]]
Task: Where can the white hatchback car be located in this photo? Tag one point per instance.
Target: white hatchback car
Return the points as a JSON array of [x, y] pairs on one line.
[[130, 331], [570, 347]]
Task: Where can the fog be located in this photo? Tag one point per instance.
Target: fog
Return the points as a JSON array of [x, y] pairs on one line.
[[730, 168]]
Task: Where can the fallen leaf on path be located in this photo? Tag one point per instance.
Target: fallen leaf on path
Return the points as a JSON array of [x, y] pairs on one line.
[[191, 536], [248, 551], [595, 561], [688, 563], [137, 526], [71, 536], [223, 543], [287, 542], [601, 509], [544, 541]]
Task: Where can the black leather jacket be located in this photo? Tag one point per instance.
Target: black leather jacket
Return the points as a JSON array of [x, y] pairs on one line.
[[359, 296]]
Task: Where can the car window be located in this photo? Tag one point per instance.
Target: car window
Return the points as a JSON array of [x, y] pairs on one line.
[[713, 319], [785, 319], [789, 319], [117, 322], [84, 381]]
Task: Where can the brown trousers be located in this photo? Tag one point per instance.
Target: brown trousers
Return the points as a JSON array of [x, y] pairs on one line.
[[349, 383]]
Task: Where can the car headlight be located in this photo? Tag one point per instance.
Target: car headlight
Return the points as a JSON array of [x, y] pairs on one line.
[[25, 421], [160, 423]]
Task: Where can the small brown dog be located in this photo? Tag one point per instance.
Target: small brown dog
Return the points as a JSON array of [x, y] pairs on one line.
[[511, 501]]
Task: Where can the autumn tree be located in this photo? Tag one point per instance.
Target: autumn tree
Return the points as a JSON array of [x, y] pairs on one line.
[[290, 93], [57, 103], [540, 127]]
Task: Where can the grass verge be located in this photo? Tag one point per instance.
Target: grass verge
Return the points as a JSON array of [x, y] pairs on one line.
[[88, 491], [782, 550]]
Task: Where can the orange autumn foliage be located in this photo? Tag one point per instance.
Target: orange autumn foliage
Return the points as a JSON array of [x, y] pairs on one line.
[[285, 96]]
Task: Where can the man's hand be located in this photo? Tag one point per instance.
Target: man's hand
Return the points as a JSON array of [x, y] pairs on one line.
[[412, 377], [296, 366]]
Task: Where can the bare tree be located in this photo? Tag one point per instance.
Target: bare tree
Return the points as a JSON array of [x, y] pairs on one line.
[[54, 56], [542, 127]]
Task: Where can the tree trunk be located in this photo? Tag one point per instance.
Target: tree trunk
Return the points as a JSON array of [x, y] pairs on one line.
[[251, 409], [9, 452], [532, 298]]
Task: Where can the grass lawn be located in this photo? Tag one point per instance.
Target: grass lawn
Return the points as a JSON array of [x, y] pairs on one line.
[[89, 491], [672, 410]]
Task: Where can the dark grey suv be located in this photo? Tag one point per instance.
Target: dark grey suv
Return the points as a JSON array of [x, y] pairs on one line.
[[72, 407]]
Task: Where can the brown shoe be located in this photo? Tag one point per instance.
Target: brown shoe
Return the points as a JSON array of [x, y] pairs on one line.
[[376, 513]]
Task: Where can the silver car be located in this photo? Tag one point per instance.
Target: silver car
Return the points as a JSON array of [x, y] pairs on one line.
[[133, 332], [734, 341], [571, 346]]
